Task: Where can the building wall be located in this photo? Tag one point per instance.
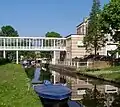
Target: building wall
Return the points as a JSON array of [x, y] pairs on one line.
[[82, 27], [74, 48], [68, 48], [77, 49]]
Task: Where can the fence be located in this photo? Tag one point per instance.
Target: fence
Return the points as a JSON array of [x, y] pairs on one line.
[[73, 63], [85, 64]]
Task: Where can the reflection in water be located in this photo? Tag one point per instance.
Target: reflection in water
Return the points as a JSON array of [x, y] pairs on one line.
[[89, 92], [36, 74], [93, 98], [54, 103]]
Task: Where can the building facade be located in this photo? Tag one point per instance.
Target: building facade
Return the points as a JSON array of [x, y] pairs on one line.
[[82, 27], [75, 46]]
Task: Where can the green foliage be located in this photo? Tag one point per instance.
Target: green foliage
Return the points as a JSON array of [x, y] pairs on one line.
[[94, 39], [46, 54], [110, 19], [27, 54], [9, 31], [14, 88], [4, 61], [115, 76], [111, 73], [53, 34]]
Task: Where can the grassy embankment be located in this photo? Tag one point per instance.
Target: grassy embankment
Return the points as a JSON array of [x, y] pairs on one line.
[[14, 88], [112, 73]]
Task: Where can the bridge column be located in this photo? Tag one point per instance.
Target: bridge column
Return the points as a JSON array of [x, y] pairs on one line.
[[54, 77], [54, 58], [17, 57], [4, 54]]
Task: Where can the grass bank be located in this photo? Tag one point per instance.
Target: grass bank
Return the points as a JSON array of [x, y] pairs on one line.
[[112, 73], [14, 88]]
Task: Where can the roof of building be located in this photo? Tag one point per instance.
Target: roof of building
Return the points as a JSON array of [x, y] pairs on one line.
[[71, 35], [84, 20], [80, 24]]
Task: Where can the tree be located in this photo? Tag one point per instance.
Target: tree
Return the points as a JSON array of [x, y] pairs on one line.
[[110, 19], [9, 31], [47, 54], [94, 39], [53, 34]]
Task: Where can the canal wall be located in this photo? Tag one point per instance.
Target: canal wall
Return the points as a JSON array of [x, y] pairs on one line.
[[99, 64], [70, 71]]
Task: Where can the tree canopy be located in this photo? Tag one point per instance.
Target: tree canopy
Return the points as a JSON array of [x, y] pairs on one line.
[[8, 31], [53, 34], [110, 19], [94, 39]]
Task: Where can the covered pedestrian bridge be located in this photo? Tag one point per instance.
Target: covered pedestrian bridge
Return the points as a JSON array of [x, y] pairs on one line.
[[31, 44]]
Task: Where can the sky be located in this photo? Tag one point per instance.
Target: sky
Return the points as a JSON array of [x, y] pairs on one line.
[[36, 17]]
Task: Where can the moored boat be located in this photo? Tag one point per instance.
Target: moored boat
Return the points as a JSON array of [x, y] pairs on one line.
[[48, 90]]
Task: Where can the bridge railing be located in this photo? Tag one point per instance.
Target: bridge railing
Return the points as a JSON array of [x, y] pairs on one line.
[[32, 43], [32, 48], [73, 63]]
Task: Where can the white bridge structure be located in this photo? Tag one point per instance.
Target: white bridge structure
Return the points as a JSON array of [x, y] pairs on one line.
[[31, 44]]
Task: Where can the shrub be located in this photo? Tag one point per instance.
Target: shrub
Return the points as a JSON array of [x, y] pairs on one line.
[[4, 61], [94, 69]]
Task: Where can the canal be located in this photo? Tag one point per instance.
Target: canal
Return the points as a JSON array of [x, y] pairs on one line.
[[90, 92], [86, 91]]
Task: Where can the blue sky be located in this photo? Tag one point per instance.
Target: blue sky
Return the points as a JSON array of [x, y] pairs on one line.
[[36, 17]]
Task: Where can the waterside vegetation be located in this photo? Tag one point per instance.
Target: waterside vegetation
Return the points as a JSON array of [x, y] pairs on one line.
[[111, 73]]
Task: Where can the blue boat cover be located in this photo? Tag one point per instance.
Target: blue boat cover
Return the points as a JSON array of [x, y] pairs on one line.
[[50, 91]]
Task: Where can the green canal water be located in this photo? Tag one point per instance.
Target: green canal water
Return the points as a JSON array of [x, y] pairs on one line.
[[89, 92]]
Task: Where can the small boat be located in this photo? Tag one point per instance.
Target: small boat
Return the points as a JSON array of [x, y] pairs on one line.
[[47, 90]]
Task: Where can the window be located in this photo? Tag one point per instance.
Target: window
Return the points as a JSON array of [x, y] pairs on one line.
[[80, 43]]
